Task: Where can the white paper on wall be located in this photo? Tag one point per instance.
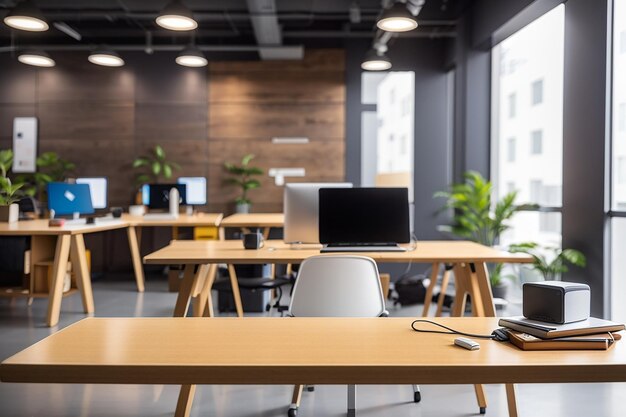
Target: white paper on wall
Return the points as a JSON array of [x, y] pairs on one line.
[[24, 144]]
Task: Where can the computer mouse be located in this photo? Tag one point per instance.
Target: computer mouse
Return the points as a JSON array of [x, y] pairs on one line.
[[501, 334]]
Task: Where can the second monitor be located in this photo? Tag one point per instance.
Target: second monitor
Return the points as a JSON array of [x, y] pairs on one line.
[[157, 196]]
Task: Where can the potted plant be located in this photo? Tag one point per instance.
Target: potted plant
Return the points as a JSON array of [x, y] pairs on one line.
[[477, 218], [50, 168], [9, 210], [242, 177], [550, 261], [153, 168]]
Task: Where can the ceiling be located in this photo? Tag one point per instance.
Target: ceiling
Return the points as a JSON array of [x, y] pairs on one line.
[[222, 22]]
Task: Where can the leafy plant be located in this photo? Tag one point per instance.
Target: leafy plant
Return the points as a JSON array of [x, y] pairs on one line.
[[475, 217], [551, 267], [154, 166], [50, 168], [6, 161], [9, 192], [242, 177]]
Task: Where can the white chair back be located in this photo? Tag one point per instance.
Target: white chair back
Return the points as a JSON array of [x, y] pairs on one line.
[[337, 286]]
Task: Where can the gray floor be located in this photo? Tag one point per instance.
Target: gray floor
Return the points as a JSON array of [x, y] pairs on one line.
[[21, 326]]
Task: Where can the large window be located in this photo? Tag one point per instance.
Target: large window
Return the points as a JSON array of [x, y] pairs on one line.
[[527, 104], [618, 165]]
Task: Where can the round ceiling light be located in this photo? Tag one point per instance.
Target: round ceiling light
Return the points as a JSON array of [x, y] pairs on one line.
[[375, 61], [26, 16], [175, 16], [36, 58], [397, 18], [106, 58], [191, 56]]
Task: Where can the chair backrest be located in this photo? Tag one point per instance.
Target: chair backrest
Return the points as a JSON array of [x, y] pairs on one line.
[[337, 286]]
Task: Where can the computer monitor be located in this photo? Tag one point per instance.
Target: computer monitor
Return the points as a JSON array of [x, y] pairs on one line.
[[364, 215], [196, 190], [300, 205], [158, 195], [98, 189], [66, 199]]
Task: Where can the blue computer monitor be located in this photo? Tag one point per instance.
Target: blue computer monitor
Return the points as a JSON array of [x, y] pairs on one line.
[[196, 190], [66, 199], [98, 190]]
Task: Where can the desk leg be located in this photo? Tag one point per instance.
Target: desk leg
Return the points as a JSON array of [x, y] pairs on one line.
[[205, 301], [83, 278], [235, 288], [59, 269], [444, 286], [266, 232], [133, 242], [185, 400], [511, 400], [197, 291], [431, 288], [458, 308], [184, 292]]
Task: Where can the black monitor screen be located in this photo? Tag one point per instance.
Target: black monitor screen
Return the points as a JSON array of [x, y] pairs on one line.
[[160, 195], [364, 215]]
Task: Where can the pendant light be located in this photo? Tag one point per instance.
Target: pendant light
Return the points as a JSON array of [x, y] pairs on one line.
[[397, 18], [106, 58], [175, 16], [26, 16], [36, 58], [376, 61], [191, 56]]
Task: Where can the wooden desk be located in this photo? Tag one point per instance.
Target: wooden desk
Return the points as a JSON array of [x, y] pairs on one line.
[[136, 223], [69, 243], [325, 350], [263, 221]]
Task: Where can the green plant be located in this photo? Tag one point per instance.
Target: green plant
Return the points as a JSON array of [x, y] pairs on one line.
[[550, 261], [50, 168], [475, 216], [242, 177], [154, 166], [9, 192]]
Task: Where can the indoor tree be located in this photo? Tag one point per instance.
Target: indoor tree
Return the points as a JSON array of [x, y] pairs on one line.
[[242, 177]]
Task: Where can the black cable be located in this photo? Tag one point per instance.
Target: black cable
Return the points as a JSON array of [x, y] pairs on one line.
[[450, 331]]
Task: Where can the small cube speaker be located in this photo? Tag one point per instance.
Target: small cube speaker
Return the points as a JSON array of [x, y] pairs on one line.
[[556, 301]]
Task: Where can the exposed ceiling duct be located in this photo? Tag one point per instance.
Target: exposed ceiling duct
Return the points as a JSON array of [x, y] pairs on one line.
[[268, 33]]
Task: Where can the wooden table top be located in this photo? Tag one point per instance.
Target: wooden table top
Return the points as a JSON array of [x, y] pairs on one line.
[[276, 251], [183, 220], [40, 227], [286, 350], [254, 220]]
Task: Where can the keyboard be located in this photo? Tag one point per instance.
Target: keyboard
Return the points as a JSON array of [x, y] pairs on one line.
[[363, 248]]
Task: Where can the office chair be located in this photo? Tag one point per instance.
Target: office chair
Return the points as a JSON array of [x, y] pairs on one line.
[[337, 286]]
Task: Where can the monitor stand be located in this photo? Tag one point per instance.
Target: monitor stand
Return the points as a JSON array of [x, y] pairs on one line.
[[362, 247]]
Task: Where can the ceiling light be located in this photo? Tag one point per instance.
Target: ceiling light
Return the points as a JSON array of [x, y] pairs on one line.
[[175, 16], [191, 56], [26, 16], [397, 18], [36, 58], [375, 61], [106, 58]]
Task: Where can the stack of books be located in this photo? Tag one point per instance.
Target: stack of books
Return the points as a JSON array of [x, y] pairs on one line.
[[590, 334]]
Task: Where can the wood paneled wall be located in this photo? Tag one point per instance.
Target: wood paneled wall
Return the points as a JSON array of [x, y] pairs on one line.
[[102, 118], [252, 102]]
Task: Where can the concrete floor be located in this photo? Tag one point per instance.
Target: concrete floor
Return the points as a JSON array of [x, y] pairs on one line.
[[115, 295]]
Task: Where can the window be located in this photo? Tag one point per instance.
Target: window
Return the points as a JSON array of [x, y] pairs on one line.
[[524, 76], [510, 150], [536, 139], [621, 118], [512, 105], [510, 187], [622, 42], [621, 170], [537, 92]]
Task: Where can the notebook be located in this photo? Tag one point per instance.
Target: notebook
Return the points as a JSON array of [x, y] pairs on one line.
[[545, 330], [526, 341]]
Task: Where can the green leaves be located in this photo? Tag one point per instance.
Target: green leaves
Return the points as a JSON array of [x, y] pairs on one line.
[[9, 191], [550, 261], [241, 177], [6, 161], [151, 168]]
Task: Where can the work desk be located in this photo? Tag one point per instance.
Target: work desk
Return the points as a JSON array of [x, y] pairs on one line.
[[325, 350]]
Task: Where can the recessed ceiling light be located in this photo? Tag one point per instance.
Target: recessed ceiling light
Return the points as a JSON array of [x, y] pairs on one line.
[[106, 58], [375, 61], [36, 58], [175, 16], [26, 16], [191, 56], [397, 18]]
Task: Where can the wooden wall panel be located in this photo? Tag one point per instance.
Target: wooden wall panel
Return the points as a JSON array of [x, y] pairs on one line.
[[165, 122]]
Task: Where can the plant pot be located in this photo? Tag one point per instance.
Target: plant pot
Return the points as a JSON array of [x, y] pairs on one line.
[[242, 208], [499, 291], [9, 214]]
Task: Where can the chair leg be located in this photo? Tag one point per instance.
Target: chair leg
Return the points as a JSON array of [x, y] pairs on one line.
[[351, 400], [295, 400], [417, 395]]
